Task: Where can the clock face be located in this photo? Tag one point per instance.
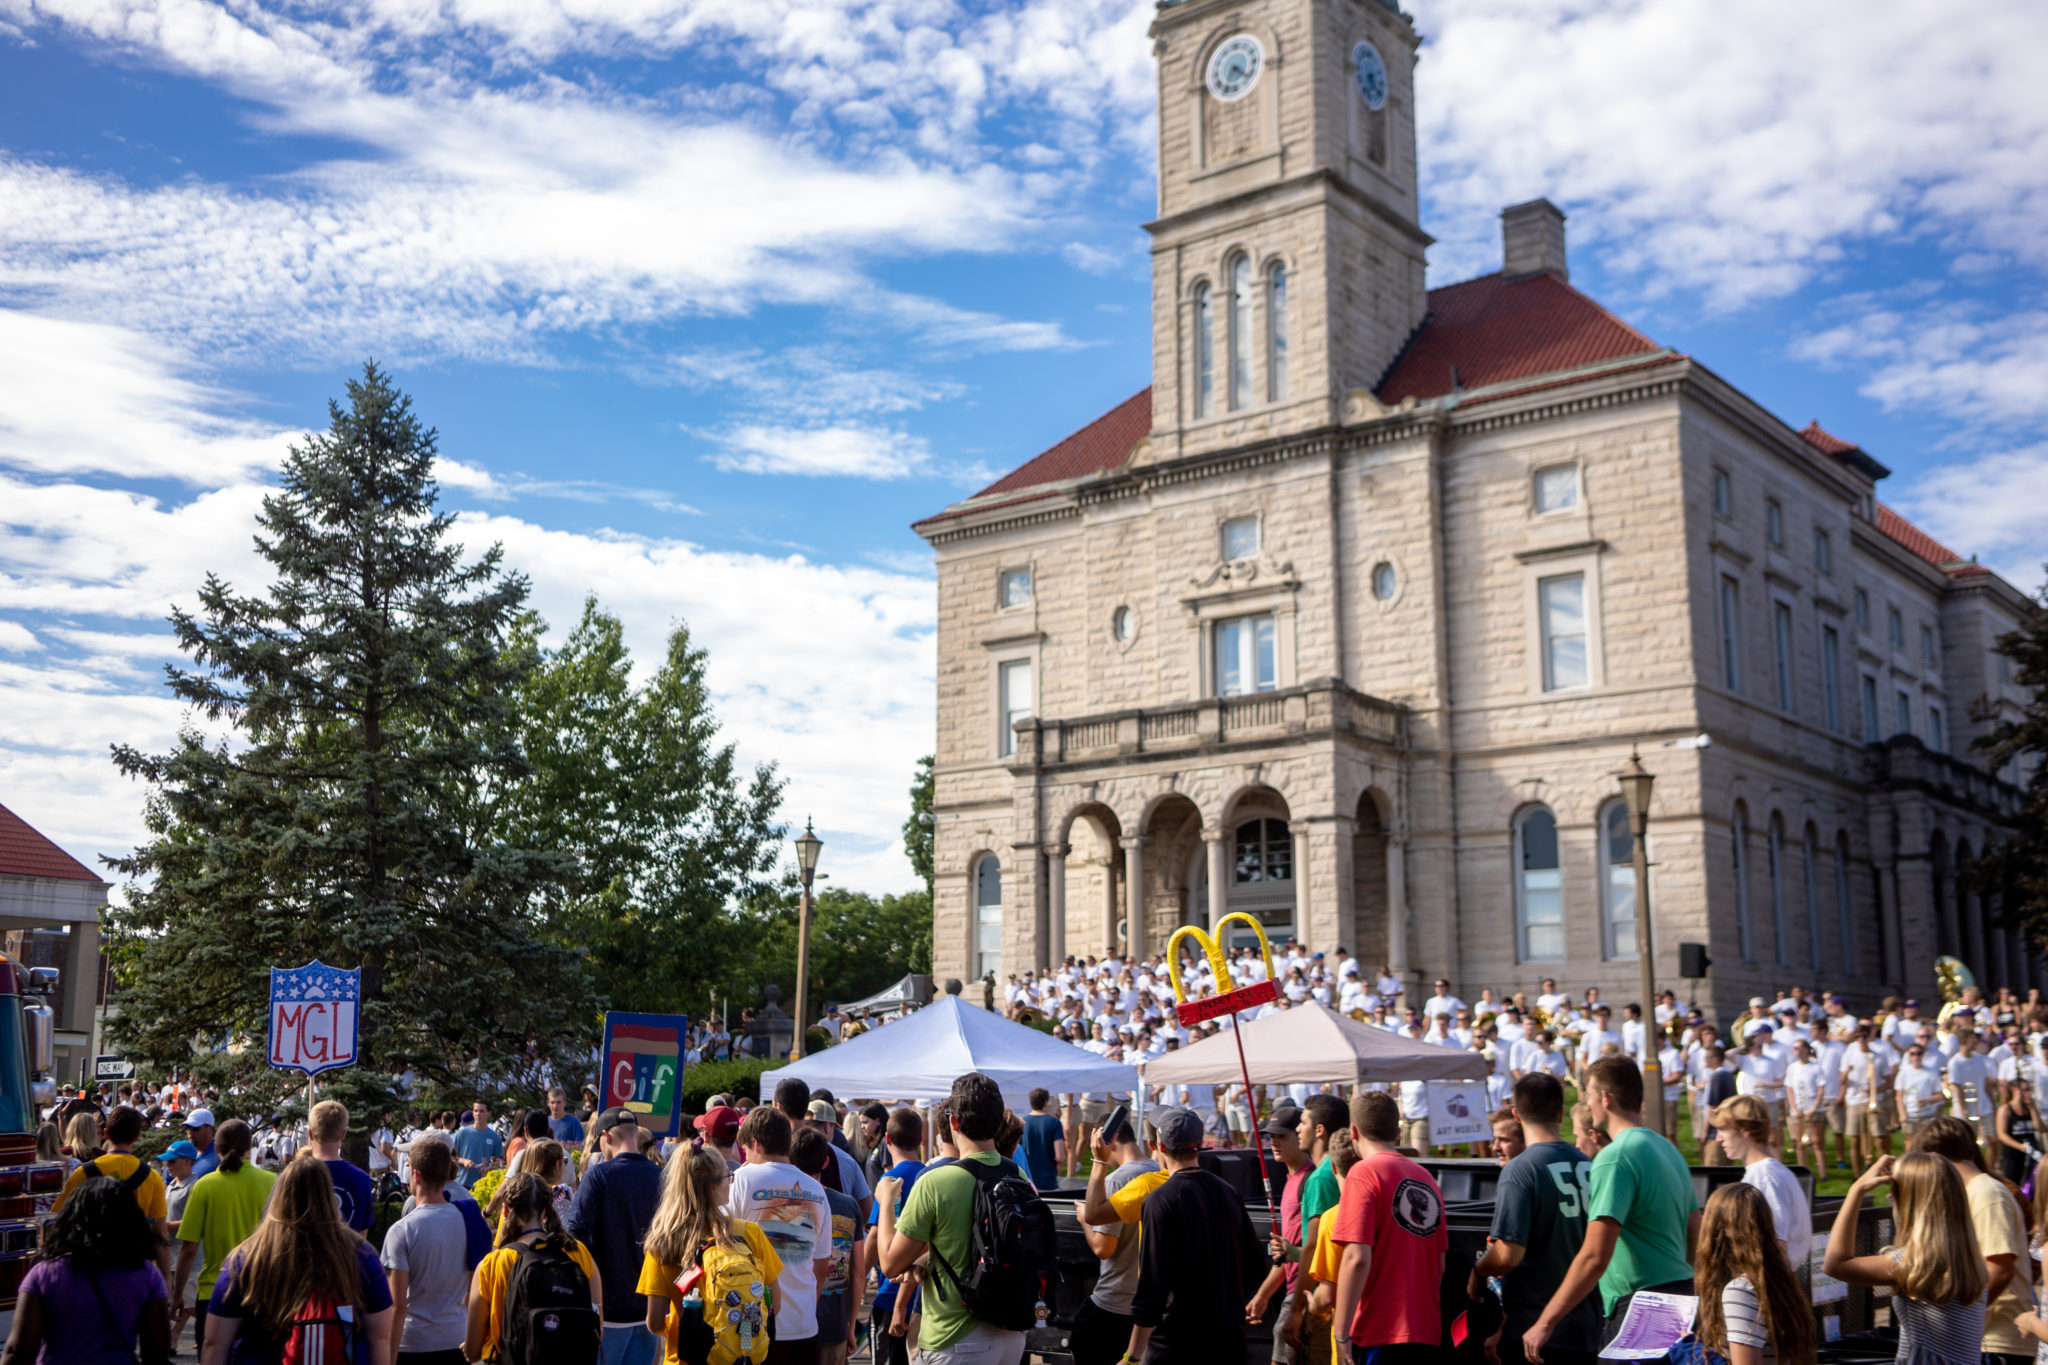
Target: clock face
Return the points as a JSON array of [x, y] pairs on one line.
[[1235, 68], [1372, 75]]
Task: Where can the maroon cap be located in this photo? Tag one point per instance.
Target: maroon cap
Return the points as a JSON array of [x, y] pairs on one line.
[[721, 1125]]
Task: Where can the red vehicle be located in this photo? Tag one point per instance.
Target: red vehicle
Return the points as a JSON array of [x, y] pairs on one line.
[[28, 1188]]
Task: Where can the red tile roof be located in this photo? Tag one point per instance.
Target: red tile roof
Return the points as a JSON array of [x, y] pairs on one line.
[[25, 853], [1825, 441], [1924, 545], [1495, 329], [1104, 443]]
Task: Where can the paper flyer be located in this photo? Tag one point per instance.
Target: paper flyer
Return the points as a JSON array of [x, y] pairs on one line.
[[1655, 1323]]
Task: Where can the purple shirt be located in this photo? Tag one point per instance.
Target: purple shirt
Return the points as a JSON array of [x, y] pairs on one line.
[[75, 1319]]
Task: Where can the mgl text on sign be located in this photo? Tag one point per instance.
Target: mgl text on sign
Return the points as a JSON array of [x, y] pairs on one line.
[[313, 1017]]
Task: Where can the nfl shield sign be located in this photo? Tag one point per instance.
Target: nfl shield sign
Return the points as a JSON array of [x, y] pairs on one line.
[[313, 1017]]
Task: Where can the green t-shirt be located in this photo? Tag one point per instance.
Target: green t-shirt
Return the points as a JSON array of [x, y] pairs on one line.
[[1320, 1192], [1641, 1182], [222, 1210], [940, 1211]]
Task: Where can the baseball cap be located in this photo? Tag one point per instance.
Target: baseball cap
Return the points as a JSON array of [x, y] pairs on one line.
[[180, 1148], [822, 1111], [721, 1124], [1756, 1002], [1179, 1129], [613, 1117], [1912, 1004], [199, 1118], [1283, 1121]]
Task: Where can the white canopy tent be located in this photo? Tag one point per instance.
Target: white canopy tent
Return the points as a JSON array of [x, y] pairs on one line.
[[1312, 1044], [917, 1057]]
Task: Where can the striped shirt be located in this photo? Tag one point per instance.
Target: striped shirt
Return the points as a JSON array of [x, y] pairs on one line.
[[1743, 1316]]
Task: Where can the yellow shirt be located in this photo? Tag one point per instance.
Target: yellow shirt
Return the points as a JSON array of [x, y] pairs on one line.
[[658, 1280], [1127, 1200], [1322, 1266], [121, 1165], [492, 1272]]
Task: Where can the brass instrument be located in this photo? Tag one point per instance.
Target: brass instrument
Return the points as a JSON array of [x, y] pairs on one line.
[[1027, 1014], [1954, 977]]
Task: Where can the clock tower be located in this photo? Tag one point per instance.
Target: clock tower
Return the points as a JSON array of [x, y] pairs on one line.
[[1287, 258]]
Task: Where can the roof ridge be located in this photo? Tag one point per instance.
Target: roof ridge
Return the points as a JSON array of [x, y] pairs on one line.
[[26, 851]]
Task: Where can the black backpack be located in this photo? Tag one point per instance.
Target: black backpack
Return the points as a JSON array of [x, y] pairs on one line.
[[1012, 1266], [131, 1182], [547, 1318]]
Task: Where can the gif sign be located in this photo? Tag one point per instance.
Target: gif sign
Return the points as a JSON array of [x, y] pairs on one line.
[[313, 1017]]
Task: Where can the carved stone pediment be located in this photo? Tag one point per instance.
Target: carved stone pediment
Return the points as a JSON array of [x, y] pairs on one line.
[[1245, 573]]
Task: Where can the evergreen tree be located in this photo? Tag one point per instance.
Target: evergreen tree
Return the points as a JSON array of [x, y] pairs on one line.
[[919, 833], [2014, 870], [349, 814]]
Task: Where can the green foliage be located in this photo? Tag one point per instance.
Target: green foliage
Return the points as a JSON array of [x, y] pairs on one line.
[[2014, 870], [919, 831], [370, 695], [860, 943], [735, 1078]]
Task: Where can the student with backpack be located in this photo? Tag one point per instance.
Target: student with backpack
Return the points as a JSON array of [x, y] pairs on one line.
[[304, 1289], [135, 1175], [225, 1206], [836, 1318], [425, 1255], [792, 1210], [534, 1300], [993, 1270], [735, 1268], [96, 1291]]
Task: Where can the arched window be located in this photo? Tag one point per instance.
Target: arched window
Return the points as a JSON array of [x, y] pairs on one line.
[[1842, 904], [1205, 352], [1809, 855], [1262, 876], [988, 917], [1539, 887], [1743, 948], [1618, 882], [1241, 335], [1774, 855], [1276, 333]]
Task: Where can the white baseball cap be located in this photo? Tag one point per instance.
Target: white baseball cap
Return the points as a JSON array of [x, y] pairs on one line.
[[199, 1118]]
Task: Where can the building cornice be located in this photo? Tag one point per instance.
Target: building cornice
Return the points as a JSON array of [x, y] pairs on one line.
[[1321, 175]]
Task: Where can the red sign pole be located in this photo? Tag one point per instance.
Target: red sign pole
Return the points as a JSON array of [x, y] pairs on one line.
[[1244, 1069]]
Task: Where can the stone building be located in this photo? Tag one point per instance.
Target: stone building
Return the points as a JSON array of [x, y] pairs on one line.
[[50, 905], [1351, 619]]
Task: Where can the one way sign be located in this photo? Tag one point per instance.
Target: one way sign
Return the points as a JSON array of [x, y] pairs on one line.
[[113, 1069]]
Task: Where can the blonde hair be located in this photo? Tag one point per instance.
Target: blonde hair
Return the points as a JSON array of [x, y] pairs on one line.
[[1739, 1238], [83, 1136], [529, 1200], [1939, 1261], [1746, 1115], [546, 1159], [1343, 1152], [691, 1212], [328, 1122]]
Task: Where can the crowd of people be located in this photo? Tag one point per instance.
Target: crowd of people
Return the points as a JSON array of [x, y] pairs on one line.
[[807, 1229]]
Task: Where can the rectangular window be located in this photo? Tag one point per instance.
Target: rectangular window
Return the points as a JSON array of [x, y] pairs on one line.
[[1561, 603], [1724, 499], [1904, 724], [1823, 553], [1774, 523], [1557, 488], [1244, 656], [1013, 702], [1897, 627], [1731, 634], [1927, 650], [1831, 677], [1016, 588], [1862, 609], [1781, 643], [1937, 735], [1871, 734], [1241, 538]]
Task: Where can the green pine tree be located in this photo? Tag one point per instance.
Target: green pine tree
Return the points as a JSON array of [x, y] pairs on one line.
[[349, 811], [2014, 870], [919, 833]]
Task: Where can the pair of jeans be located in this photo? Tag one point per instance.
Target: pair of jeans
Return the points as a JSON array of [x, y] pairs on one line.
[[631, 1344]]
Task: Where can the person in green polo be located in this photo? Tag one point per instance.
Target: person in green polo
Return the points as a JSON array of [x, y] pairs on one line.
[[223, 1208]]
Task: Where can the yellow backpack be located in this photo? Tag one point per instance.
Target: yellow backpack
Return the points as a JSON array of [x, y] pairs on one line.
[[737, 1303]]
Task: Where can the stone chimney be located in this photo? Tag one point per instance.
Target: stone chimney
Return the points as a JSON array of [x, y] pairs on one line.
[[1532, 240]]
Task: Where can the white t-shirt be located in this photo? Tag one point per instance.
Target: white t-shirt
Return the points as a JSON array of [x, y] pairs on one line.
[[793, 1211], [1592, 1041], [1789, 1210], [1978, 1072], [1762, 1076], [1442, 1005], [1919, 1088], [380, 1163], [1803, 1082]]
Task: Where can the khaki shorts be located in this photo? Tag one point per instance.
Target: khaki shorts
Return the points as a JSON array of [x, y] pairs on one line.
[[1094, 1111], [1838, 1117], [1864, 1121], [1776, 1109], [1415, 1133]]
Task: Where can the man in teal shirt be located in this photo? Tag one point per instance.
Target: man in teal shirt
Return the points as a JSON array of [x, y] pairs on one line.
[[1644, 1216]]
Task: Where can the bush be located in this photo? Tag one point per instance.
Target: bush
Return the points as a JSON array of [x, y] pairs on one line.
[[738, 1077]]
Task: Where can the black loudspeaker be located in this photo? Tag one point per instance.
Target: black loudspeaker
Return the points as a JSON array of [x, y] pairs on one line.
[[1693, 960]]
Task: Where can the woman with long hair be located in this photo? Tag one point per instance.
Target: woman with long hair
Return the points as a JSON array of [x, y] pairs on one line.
[[691, 1218], [1751, 1307], [532, 1220], [1935, 1269], [2019, 1133], [545, 1159], [96, 1293], [49, 1143], [81, 1140], [299, 1256]]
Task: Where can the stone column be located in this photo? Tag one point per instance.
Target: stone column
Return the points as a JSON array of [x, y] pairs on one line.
[[1302, 898], [1109, 902], [1218, 854], [1134, 894], [1056, 902], [1397, 903]]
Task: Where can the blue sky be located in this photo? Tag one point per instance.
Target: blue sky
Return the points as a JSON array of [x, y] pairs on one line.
[[709, 299]]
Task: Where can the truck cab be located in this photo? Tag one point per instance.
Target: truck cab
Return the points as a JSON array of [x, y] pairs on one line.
[[28, 1187]]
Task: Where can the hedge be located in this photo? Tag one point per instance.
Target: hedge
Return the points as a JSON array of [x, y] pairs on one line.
[[735, 1078]]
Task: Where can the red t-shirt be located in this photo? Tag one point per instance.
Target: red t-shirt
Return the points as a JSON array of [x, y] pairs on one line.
[[1391, 1205]]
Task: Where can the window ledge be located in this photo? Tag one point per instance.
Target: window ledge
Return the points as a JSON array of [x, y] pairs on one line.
[[1563, 550], [1022, 637], [1727, 549]]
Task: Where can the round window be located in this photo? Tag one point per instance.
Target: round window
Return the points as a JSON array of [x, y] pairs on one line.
[[1123, 625], [1383, 581]]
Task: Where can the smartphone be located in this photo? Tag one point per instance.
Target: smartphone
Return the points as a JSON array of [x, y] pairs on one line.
[[1118, 1120]]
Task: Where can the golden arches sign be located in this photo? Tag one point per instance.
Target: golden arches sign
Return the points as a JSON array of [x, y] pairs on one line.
[[1191, 1012]]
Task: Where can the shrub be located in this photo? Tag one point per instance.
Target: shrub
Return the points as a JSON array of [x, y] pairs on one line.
[[736, 1078]]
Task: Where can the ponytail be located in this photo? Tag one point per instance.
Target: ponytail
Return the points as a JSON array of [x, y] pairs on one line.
[[528, 1199], [232, 1142]]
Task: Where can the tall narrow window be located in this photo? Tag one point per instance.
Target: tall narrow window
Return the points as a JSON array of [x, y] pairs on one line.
[[1842, 915], [1831, 677], [1562, 604], [1724, 500], [1013, 702], [1276, 333], [1743, 948], [1823, 554], [1774, 523], [1205, 352], [1809, 855], [1896, 626], [1903, 722], [988, 918], [1618, 881], [1774, 857], [1244, 656], [1872, 725], [1927, 650], [1862, 609], [1539, 887], [1731, 634], [1937, 732], [1240, 333], [1781, 645]]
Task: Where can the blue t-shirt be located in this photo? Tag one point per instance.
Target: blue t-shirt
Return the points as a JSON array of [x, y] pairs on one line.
[[1041, 1131], [354, 1192], [480, 1145], [568, 1130], [207, 1164], [907, 1172]]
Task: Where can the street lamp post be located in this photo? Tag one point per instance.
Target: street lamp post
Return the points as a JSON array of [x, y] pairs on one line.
[[807, 864], [1635, 794]]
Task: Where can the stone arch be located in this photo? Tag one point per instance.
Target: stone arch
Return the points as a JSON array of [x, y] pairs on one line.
[[1089, 873], [1947, 933], [990, 892], [1258, 857], [1171, 826], [1369, 932]]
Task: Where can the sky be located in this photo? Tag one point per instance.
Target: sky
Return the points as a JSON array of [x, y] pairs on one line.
[[710, 299]]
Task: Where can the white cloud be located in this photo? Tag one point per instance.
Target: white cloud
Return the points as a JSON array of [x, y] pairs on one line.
[[842, 451], [1093, 259], [1990, 504], [1966, 364], [805, 381], [16, 638]]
